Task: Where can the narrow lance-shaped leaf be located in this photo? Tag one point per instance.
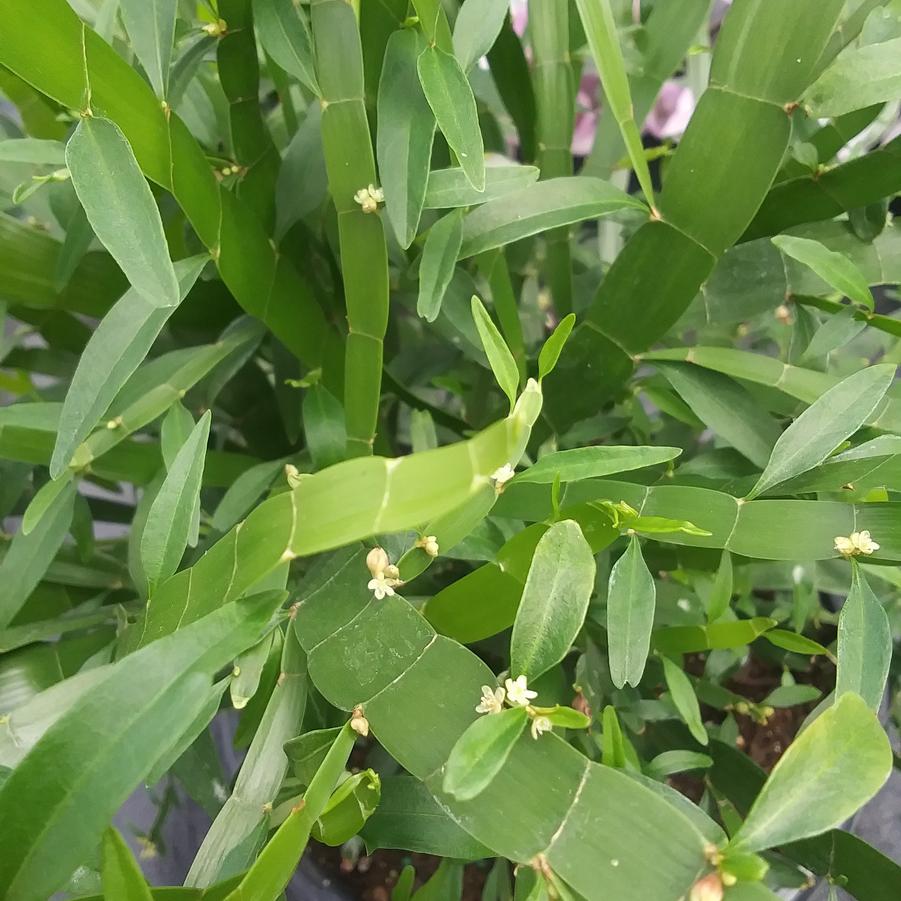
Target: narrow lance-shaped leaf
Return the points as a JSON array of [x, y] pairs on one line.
[[451, 99], [121, 208], [721, 591], [449, 188], [594, 462], [539, 207], [74, 779], [554, 600], [405, 134], [436, 268], [114, 351], [476, 29], [151, 29], [864, 644], [285, 36], [830, 770], [728, 409], [686, 701], [172, 512], [39, 151], [30, 555], [818, 431], [273, 869], [121, 875], [553, 347], [631, 598], [481, 752], [499, 357], [833, 267], [860, 77], [600, 29]]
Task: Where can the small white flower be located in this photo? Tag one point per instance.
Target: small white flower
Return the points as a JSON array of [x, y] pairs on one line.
[[429, 543], [855, 544], [381, 587], [501, 476], [518, 692], [492, 700], [540, 725], [369, 198]]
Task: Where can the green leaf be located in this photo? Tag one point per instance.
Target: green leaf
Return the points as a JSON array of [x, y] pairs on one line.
[[403, 888], [450, 97], [348, 809], [592, 462], [43, 499], [834, 268], [613, 747], [114, 351], [791, 641], [121, 209], [272, 870], [285, 36], [825, 424], [307, 751], [864, 644], [600, 29], [476, 29], [405, 134], [151, 29], [122, 877], [538, 207], [29, 556], [726, 408], [409, 817], [631, 598], [481, 751], [87, 763], [231, 844], [720, 596], [436, 268], [860, 77], [553, 347], [169, 521], [829, 771], [178, 423], [671, 762], [791, 696], [247, 672], [690, 639], [683, 695], [499, 357], [38, 151], [449, 188], [324, 427], [554, 600], [244, 492]]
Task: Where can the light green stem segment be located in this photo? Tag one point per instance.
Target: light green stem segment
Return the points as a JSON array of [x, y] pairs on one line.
[[344, 503], [554, 85], [239, 73], [364, 257]]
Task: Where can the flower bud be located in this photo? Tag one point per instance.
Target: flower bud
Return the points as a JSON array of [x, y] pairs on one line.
[[377, 561], [709, 888]]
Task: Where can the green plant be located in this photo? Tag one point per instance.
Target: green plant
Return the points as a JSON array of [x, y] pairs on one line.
[[502, 475]]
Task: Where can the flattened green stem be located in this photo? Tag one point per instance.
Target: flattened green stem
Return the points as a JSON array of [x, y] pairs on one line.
[[554, 85], [239, 74], [364, 257], [266, 286]]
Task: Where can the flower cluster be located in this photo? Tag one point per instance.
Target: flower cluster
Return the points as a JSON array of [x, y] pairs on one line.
[[429, 543], [369, 198], [385, 576], [855, 544], [516, 693]]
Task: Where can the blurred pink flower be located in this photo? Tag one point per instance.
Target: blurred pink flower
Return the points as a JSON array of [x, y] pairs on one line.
[[519, 13], [671, 112], [588, 105]]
